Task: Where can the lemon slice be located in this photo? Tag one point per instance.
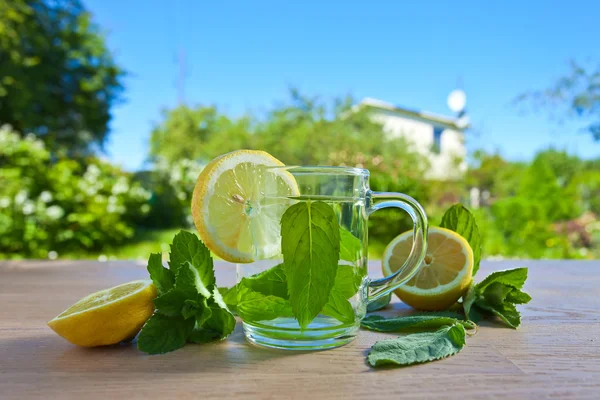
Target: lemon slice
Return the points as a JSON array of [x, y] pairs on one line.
[[444, 275], [108, 316], [238, 202]]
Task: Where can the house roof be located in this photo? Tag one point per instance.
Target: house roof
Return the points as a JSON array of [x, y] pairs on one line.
[[459, 124]]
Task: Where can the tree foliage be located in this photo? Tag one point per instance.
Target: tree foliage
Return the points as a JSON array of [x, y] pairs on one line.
[[577, 92], [57, 78]]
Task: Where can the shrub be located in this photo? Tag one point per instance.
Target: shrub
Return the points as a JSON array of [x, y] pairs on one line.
[[172, 185], [49, 205]]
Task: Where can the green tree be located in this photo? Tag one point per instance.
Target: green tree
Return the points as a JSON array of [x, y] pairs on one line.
[[57, 78], [577, 92], [199, 133]]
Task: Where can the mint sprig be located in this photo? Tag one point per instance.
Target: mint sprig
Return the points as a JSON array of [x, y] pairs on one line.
[[498, 295], [189, 307]]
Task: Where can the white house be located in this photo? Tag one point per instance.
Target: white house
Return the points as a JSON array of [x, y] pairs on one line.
[[439, 138]]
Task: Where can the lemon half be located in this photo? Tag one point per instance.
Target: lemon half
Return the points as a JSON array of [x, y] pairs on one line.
[[108, 316], [444, 275]]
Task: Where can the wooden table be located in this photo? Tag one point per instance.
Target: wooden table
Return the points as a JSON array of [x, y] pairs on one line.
[[555, 353]]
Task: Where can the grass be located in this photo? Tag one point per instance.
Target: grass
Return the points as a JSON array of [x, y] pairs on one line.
[[144, 243]]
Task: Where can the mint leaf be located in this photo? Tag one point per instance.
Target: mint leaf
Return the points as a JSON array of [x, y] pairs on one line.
[[190, 309], [339, 308], [162, 334], [187, 247], [418, 347], [203, 335], [496, 293], [230, 297], [347, 282], [310, 243], [518, 297], [350, 246], [511, 277], [221, 320], [461, 221], [170, 303], [162, 277], [506, 311], [204, 312], [189, 280], [215, 323], [469, 300], [270, 282], [380, 303], [427, 321], [254, 306]]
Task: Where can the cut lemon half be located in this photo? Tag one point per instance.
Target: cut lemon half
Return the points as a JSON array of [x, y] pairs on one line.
[[108, 316], [238, 202], [444, 275]]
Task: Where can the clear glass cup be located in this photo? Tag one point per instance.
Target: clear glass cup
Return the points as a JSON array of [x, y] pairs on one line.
[[347, 191]]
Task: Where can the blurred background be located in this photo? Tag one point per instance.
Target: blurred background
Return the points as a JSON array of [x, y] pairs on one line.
[[110, 109]]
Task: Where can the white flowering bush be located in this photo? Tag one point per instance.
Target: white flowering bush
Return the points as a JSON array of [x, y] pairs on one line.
[[50, 205]]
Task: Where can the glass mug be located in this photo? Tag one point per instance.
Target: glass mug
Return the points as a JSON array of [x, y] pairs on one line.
[[347, 191]]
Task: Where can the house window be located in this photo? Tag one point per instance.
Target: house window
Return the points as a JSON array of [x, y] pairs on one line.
[[437, 140]]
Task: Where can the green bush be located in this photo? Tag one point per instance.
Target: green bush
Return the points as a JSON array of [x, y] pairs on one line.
[[172, 185], [49, 205]]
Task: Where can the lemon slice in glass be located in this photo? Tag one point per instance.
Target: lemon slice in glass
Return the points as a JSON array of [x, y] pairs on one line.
[[238, 202], [444, 275]]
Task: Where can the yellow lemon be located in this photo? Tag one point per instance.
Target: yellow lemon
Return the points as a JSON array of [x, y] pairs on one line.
[[108, 316], [238, 202], [444, 275]]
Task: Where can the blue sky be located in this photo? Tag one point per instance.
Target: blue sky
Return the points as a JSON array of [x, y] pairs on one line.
[[243, 55]]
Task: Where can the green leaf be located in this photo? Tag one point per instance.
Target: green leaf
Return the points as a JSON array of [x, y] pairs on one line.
[[461, 221], [518, 297], [507, 312], [380, 303], [171, 303], [418, 347], [202, 335], [496, 293], [221, 320], [347, 283], [188, 248], [270, 282], [230, 297], [469, 300], [427, 320], [189, 281], [511, 277], [254, 306], [162, 277], [190, 309], [204, 313], [350, 246], [215, 323], [162, 334], [310, 243], [339, 308]]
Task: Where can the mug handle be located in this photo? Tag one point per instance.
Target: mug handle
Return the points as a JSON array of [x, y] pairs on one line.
[[383, 286]]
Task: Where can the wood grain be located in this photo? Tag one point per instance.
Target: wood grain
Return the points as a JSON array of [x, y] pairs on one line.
[[555, 354]]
